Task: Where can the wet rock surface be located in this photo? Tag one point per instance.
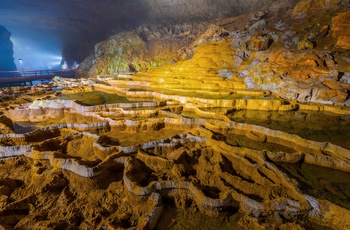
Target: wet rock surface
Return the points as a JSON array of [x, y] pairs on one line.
[[130, 165], [247, 129]]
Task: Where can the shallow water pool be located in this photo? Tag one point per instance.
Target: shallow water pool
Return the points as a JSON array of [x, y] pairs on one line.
[[96, 98], [318, 126]]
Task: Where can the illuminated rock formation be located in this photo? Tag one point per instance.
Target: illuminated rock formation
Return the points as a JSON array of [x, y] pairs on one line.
[[248, 128], [200, 167], [256, 53], [139, 50]]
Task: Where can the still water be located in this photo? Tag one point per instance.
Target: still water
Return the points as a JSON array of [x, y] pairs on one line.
[[318, 126], [96, 98]]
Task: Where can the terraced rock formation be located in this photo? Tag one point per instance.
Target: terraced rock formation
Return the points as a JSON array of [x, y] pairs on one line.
[[247, 129], [119, 165]]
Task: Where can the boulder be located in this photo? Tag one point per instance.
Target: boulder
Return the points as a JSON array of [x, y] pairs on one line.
[[305, 44], [258, 43]]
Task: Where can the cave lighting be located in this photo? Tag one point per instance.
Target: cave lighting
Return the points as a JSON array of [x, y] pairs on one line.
[[53, 61], [64, 65], [37, 56], [20, 60]]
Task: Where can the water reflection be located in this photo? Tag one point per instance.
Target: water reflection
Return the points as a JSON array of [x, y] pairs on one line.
[[24, 127], [318, 126], [96, 98]]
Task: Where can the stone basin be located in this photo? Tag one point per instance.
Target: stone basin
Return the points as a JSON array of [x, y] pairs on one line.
[[97, 98], [318, 126], [222, 162]]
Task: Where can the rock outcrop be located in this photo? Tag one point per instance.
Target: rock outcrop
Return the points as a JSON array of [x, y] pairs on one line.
[[259, 51], [6, 51], [340, 30], [145, 48]]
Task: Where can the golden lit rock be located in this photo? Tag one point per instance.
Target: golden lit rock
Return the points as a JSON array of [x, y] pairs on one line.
[[238, 124]]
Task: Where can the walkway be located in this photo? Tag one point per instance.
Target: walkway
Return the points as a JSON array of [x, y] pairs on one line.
[[32, 75]]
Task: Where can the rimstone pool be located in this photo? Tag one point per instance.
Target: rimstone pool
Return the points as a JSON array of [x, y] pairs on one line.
[[194, 115], [95, 98], [196, 158], [200, 155]]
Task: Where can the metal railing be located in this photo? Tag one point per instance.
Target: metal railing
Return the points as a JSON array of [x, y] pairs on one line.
[[30, 75]]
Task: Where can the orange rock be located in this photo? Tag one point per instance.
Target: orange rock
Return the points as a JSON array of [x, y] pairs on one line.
[[305, 44], [308, 5], [258, 43], [332, 84], [343, 42], [341, 30]]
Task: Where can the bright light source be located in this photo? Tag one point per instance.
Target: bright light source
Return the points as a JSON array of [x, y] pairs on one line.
[[64, 65], [20, 60]]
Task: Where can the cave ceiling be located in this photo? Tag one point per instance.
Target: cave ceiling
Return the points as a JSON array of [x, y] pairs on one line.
[[73, 19], [68, 19], [70, 28]]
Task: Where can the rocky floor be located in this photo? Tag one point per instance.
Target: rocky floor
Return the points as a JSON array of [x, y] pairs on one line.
[[166, 162], [245, 127]]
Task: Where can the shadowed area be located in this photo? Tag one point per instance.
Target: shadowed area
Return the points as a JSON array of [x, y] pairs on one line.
[[74, 26]]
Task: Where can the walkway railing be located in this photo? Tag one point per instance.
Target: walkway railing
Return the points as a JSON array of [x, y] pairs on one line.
[[30, 75]]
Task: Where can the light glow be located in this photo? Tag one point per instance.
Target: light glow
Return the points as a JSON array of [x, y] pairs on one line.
[[31, 54]]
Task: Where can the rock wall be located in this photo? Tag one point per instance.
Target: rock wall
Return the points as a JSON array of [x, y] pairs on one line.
[[295, 55], [169, 26], [6, 51], [145, 48], [131, 14]]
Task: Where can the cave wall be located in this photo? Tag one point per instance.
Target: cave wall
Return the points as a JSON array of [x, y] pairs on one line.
[[171, 26], [6, 51], [178, 10], [165, 12]]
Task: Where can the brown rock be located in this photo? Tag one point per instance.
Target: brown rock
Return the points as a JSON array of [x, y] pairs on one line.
[[305, 6], [297, 74], [142, 49], [290, 226], [258, 43], [4, 200], [305, 45], [332, 84], [247, 223], [5, 190], [6, 125], [212, 33], [341, 30]]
